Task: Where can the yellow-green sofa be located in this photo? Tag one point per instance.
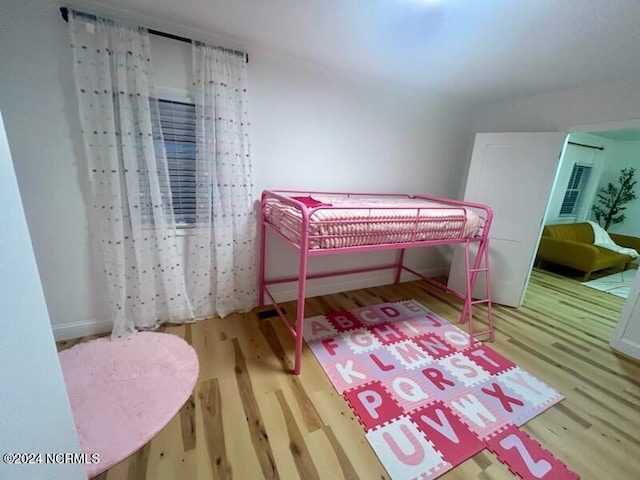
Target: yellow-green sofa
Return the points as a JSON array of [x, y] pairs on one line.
[[571, 245]]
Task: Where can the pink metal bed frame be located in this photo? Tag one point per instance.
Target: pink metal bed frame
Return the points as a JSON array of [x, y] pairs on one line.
[[480, 264]]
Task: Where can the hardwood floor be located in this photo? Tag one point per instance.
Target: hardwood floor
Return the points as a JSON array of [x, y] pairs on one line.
[[249, 419]]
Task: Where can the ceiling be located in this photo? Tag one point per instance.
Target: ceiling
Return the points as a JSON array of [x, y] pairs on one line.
[[476, 51]]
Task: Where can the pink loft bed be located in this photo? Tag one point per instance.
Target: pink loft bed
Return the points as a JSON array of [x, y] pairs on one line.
[[330, 223]]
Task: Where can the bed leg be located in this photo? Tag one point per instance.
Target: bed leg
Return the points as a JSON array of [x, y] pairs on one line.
[[399, 267], [261, 274], [302, 283]]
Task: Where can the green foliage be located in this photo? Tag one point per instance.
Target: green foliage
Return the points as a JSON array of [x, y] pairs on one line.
[[608, 208]]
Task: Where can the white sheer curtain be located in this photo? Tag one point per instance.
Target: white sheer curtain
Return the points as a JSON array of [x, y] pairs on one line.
[[221, 258], [129, 187]]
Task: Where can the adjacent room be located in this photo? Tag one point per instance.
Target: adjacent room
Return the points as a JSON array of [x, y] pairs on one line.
[[320, 239], [595, 193]]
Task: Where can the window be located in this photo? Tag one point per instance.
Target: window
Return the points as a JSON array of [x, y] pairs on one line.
[[575, 189], [178, 123]]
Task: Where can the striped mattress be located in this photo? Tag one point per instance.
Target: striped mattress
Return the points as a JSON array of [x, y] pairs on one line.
[[339, 221]]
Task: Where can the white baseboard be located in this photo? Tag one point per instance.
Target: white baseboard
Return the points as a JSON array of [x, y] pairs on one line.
[[327, 286], [282, 293], [67, 331], [627, 346]]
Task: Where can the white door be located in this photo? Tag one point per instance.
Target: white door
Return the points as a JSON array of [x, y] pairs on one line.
[[36, 415], [626, 336], [513, 173]]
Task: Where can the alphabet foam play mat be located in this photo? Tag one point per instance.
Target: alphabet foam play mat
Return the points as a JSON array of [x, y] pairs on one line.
[[427, 399]]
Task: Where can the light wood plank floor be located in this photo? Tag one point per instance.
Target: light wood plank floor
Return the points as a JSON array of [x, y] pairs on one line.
[[249, 419]]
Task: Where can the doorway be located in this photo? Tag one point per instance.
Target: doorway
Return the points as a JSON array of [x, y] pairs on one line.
[[588, 175], [514, 173], [619, 156]]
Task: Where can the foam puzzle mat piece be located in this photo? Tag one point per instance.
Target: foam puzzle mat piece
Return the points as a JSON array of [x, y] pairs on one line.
[[405, 452], [526, 458], [373, 404], [448, 434]]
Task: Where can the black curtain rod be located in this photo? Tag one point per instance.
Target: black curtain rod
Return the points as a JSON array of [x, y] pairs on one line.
[[64, 11], [586, 146]]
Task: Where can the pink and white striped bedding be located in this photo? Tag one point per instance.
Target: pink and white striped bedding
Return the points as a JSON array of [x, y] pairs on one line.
[[348, 221]]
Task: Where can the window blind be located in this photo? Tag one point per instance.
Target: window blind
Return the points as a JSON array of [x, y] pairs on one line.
[[178, 122], [575, 187]]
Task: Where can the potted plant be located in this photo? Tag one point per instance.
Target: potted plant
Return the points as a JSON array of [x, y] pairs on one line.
[[610, 200]]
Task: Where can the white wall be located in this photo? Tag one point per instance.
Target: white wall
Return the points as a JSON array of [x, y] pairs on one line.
[[311, 128], [560, 110], [36, 97], [329, 133], [624, 154], [35, 416]]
